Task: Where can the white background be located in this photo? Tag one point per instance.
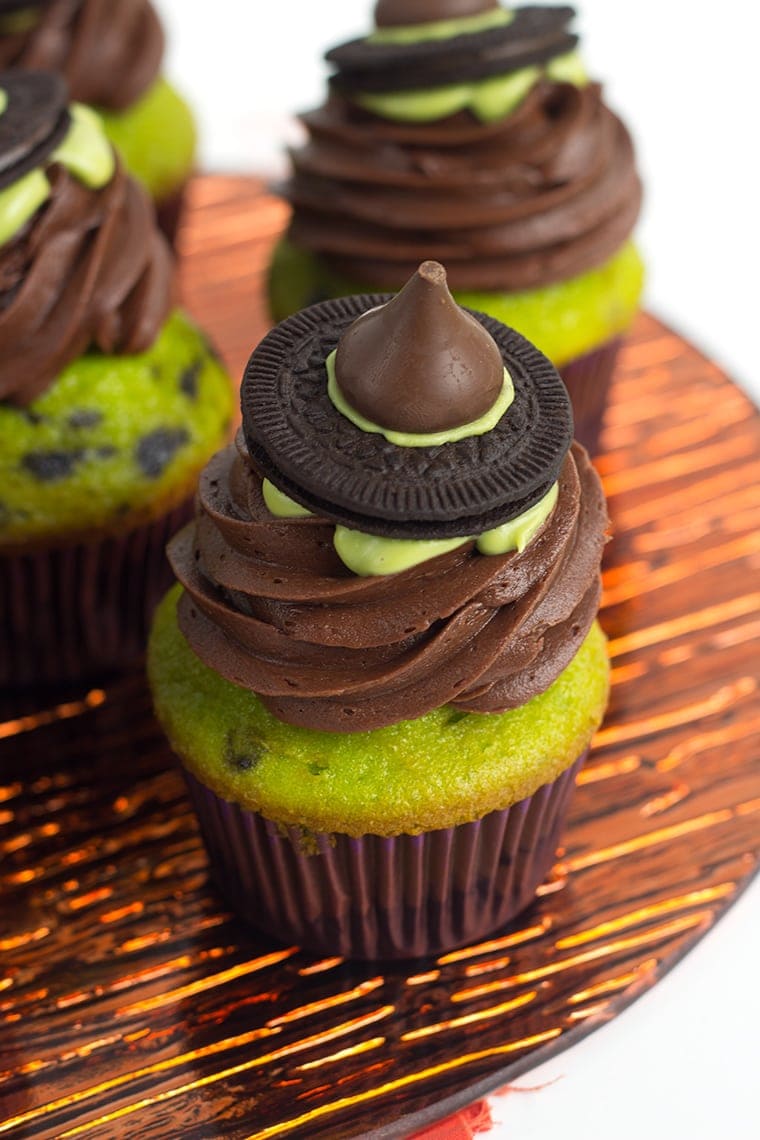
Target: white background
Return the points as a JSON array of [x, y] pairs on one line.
[[683, 1061]]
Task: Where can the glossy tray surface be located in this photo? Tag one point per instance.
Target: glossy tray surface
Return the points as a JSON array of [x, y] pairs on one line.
[[132, 1004]]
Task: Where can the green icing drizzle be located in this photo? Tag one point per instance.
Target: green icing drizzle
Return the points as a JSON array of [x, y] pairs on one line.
[[480, 426], [86, 154], [488, 99], [20, 201], [442, 29], [85, 151], [519, 532], [281, 505]]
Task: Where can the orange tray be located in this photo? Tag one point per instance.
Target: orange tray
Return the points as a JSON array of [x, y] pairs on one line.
[[131, 1002]]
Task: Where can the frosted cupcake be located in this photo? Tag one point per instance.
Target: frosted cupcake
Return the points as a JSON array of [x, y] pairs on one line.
[[469, 132], [381, 668], [111, 399], [111, 56]]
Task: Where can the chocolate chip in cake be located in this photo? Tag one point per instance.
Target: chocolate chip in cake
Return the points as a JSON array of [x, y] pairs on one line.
[[85, 418], [155, 451], [51, 466], [189, 377]]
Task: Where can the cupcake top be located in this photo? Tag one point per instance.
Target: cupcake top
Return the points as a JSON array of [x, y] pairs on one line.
[[109, 53], [463, 130], [403, 523], [81, 262]]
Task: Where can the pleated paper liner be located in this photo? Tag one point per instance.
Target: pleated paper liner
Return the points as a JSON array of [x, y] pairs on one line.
[[82, 610], [132, 1003], [381, 898]]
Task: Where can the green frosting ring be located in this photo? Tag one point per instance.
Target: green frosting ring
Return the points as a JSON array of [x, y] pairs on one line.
[[115, 441], [20, 201], [488, 99], [485, 423], [440, 770], [565, 320], [371, 555], [281, 505], [85, 152], [442, 29]]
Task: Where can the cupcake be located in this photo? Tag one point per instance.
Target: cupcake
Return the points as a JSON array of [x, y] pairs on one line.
[[469, 132], [380, 666], [111, 56], [111, 399]]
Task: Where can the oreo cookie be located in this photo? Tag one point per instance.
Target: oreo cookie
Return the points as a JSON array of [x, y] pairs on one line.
[[535, 35], [35, 120], [298, 439]]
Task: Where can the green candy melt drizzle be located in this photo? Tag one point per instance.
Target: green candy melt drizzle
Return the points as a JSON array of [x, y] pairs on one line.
[[480, 426], [442, 29], [488, 99]]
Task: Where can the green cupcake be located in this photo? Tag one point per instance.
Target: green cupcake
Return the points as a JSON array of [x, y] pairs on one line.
[[381, 668], [111, 57], [111, 398], [480, 140]]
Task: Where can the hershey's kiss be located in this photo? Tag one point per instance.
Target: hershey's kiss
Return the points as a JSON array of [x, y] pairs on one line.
[[419, 363], [397, 13]]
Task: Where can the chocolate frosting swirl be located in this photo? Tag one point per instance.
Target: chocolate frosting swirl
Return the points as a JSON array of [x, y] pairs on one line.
[[269, 606], [90, 269], [543, 195], [109, 51]]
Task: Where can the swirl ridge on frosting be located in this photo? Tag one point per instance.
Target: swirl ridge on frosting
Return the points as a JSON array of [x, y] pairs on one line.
[[109, 51], [90, 269], [541, 195], [269, 606]]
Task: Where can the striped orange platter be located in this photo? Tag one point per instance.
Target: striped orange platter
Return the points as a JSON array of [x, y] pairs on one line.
[[133, 1005]]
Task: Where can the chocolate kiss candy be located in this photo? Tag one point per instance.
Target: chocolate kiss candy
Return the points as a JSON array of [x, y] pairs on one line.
[[393, 13], [419, 363]]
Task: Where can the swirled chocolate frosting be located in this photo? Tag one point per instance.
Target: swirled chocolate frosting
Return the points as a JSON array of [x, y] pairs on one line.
[[270, 607], [109, 51], [91, 268], [541, 195]]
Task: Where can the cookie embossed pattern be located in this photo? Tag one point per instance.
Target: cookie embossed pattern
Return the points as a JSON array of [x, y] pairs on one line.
[[131, 1001]]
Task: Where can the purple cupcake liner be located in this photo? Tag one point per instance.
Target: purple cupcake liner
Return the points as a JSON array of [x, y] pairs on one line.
[[382, 898], [83, 610], [587, 379]]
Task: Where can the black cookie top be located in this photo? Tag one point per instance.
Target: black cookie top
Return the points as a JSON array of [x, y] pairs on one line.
[[34, 121], [299, 440], [535, 35]]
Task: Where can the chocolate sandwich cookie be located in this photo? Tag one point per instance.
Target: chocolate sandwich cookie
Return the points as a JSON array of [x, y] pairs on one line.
[[332, 465], [34, 120], [534, 36]]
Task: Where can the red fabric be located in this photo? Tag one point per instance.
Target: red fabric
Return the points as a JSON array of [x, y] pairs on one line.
[[476, 1118]]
